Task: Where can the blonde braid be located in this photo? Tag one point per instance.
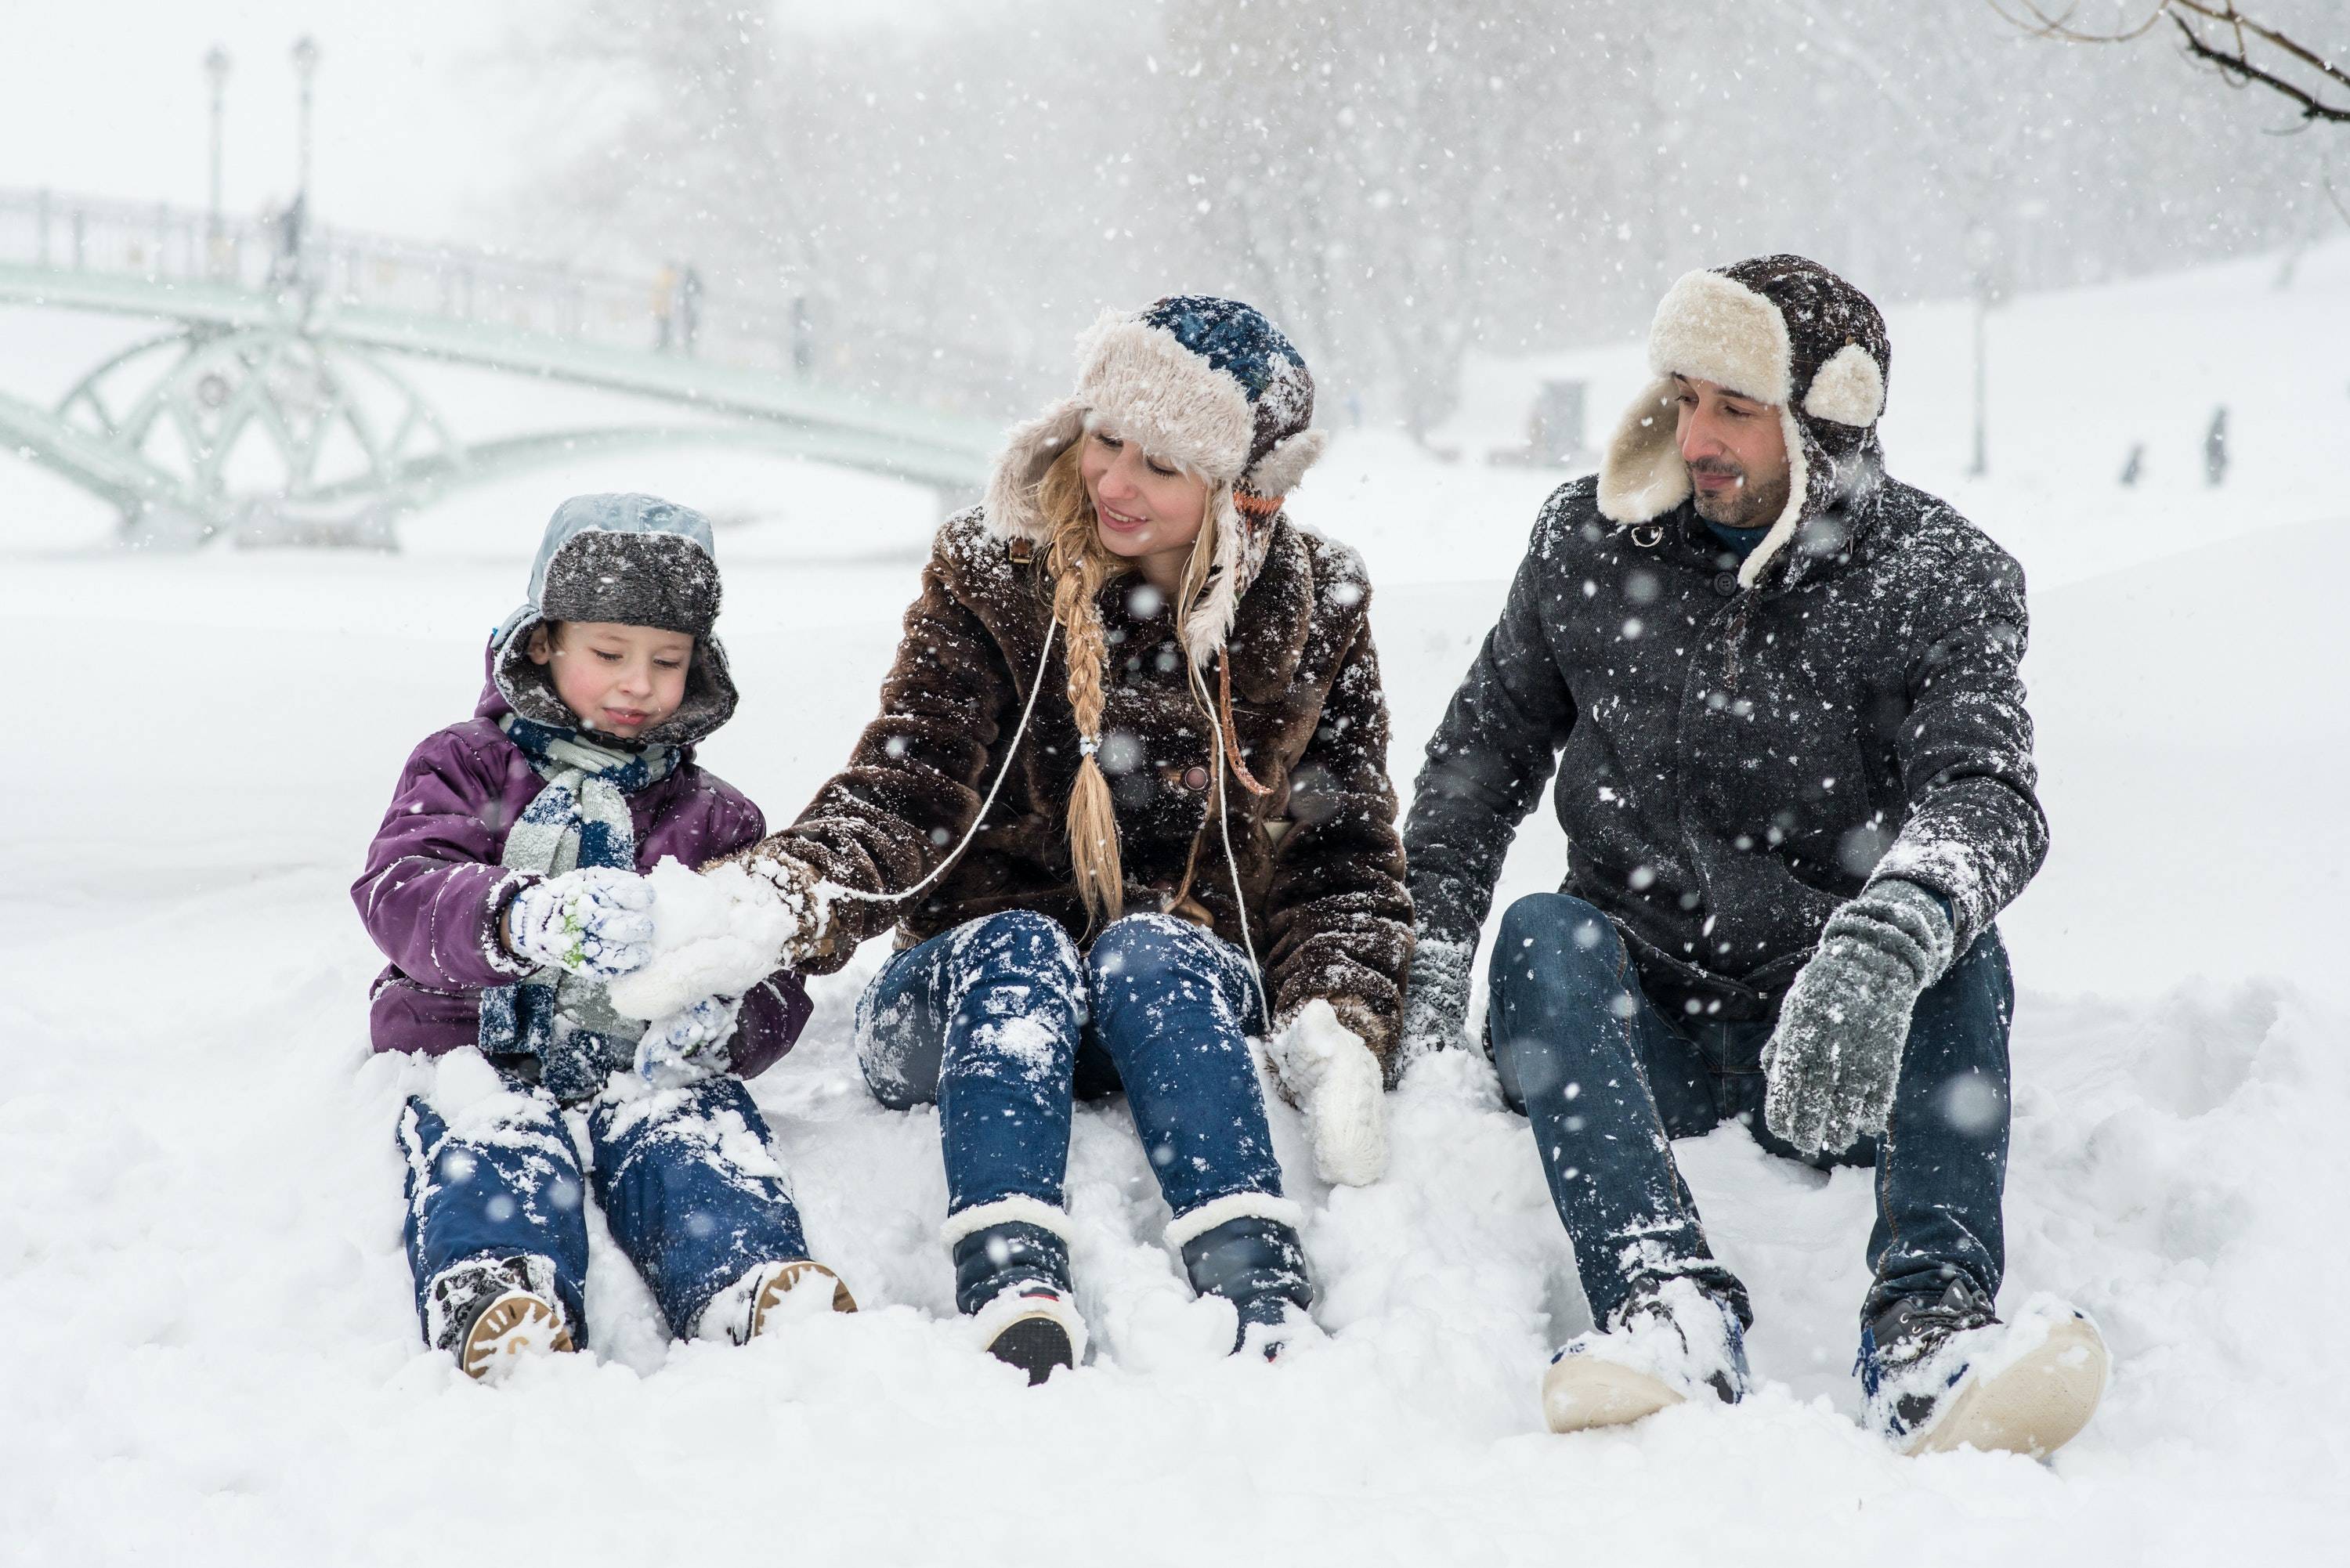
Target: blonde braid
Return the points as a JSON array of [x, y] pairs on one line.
[[1079, 566]]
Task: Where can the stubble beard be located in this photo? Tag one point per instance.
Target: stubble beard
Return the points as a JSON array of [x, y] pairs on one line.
[[1748, 506]]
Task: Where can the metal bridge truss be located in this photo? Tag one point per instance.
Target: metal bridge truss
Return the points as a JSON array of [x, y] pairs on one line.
[[274, 410]]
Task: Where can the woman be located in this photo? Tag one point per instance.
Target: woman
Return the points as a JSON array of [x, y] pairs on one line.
[[1136, 738]]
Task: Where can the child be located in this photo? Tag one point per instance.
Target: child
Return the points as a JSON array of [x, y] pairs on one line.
[[505, 887]]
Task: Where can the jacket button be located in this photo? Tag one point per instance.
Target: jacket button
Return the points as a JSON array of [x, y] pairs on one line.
[[1195, 778], [1726, 583]]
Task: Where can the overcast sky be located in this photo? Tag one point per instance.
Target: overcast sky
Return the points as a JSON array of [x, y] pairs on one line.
[[427, 112]]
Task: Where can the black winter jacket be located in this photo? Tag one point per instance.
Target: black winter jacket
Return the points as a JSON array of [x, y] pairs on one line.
[[1733, 764]]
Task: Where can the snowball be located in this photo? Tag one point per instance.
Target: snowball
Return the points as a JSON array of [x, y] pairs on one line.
[[716, 933]]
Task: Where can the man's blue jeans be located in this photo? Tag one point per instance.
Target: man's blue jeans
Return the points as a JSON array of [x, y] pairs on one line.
[[1004, 1023], [685, 1178], [1608, 1081]]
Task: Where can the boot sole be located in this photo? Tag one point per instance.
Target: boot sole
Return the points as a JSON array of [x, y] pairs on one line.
[[516, 1325], [1581, 1392], [786, 1280], [1037, 1346], [2034, 1408]]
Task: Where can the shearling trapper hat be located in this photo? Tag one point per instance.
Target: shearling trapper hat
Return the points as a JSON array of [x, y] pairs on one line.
[[1206, 383], [1781, 330], [635, 560]]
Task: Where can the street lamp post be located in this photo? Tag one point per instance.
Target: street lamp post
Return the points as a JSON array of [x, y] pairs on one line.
[[216, 72], [1982, 258], [306, 67]]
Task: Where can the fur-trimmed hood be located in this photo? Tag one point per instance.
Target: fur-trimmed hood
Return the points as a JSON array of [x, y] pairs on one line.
[[636, 560], [1785, 331], [1206, 383]]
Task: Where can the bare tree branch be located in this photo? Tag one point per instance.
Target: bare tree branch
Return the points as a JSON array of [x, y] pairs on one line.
[[2238, 66], [2235, 64]]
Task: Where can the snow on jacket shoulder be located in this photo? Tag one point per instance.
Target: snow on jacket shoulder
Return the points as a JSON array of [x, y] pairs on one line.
[[432, 891], [1733, 763]]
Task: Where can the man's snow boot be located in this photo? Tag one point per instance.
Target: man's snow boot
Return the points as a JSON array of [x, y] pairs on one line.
[[1259, 1266], [753, 1305], [1671, 1341], [490, 1312], [1013, 1280], [1943, 1373]]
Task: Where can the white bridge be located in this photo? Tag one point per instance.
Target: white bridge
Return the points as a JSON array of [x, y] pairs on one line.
[[271, 402]]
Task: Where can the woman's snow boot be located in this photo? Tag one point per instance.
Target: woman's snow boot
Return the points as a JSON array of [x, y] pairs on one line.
[[1671, 1341], [1943, 1373], [1259, 1266], [489, 1313], [1011, 1279]]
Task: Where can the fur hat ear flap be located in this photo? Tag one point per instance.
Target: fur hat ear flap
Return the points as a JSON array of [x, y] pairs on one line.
[[1849, 389], [1012, 510], [1642, 475], [1211, 620], [1276, 473]]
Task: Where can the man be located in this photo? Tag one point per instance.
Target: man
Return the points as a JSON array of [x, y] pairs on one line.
[[1795, 774]]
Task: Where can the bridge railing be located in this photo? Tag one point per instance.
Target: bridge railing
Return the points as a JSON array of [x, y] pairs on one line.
[[674, 312]]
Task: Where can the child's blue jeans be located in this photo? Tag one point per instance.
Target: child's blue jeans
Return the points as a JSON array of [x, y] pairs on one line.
[[685, 1177], [1002, 1022]]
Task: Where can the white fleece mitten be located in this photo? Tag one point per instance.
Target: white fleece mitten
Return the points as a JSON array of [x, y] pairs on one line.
[[718, 932], [1335, 1080], [593, 922]]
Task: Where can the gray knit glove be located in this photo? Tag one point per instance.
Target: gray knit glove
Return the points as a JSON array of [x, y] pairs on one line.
[[1833, 1059], [1436, 1003]]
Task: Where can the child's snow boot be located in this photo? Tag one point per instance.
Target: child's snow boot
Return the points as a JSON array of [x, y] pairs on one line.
[[1943, 1373], [1259, 1266], [489, 1313], [1671, 1341], [753, 1305], [1011, 1279]]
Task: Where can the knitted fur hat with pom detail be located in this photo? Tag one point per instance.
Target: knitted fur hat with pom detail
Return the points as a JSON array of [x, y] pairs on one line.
[[1781, 330], [1209, 384]]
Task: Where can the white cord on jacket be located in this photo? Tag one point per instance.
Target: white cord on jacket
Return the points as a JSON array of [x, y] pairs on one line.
[[1052, 629]]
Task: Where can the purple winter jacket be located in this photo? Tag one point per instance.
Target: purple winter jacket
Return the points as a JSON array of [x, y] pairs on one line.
[[433, 891]]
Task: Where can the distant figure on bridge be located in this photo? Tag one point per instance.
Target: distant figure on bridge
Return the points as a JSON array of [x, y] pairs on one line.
[[505, 886], [286, 266], [664, 307], [689, 307], [2215, 449]]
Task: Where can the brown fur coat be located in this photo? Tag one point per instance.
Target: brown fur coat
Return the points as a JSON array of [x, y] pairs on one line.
[[1321, 862]]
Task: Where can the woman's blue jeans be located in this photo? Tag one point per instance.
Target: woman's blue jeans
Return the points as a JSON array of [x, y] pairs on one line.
[[1004, 1023], [1608, 1081]]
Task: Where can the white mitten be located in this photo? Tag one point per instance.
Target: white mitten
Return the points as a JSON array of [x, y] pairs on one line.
[[688, 1044], [592, 922], [719, 932], [1335, 1080]]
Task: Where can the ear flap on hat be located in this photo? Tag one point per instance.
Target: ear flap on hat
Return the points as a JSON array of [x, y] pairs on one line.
[[1210, 621], [1849, 389], [1642, 475], [1031, 449], [1276, 473]]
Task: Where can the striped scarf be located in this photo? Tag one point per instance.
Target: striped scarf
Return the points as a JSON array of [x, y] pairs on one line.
[[580, 817]]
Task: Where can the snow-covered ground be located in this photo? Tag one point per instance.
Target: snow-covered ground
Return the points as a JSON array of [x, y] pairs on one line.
[[207, 1349]]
